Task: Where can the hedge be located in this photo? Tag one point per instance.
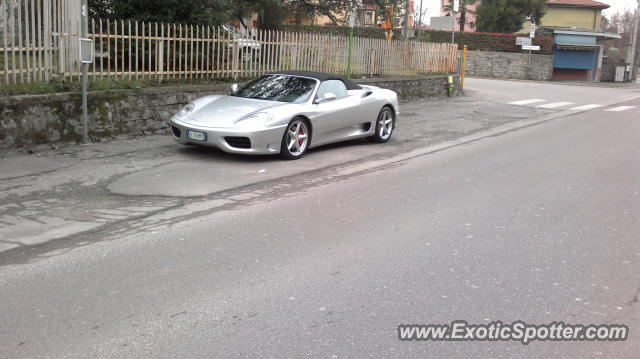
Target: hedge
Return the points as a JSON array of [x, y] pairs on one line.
[[475, 41]]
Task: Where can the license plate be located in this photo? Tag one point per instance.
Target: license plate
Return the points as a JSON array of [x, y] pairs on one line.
[[200, 136]]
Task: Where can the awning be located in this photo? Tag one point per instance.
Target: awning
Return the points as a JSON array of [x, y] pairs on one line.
[[600, 35], [577, 47]]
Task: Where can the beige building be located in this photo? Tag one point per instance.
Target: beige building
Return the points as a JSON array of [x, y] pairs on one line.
[[579, 14]]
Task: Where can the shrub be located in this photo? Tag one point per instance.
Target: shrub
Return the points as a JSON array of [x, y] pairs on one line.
[[475, 41]]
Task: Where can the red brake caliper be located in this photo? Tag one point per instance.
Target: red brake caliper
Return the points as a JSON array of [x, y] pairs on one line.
[[300, 132]]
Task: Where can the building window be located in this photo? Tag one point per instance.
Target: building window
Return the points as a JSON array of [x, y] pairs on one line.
[[369, 18]]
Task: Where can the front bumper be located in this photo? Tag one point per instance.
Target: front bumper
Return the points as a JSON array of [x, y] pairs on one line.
[[232, 140]]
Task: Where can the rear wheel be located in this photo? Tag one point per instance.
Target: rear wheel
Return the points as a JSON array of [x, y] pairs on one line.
[[384, 126], [295, 140]]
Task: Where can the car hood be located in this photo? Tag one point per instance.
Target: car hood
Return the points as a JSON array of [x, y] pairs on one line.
[[225, 111]]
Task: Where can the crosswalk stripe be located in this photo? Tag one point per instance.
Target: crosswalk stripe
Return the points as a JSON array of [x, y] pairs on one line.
[[620, 108], [555, 104], [586, 107], [526, 102]]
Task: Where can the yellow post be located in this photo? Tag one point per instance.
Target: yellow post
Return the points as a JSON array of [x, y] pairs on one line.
[[463, 66]]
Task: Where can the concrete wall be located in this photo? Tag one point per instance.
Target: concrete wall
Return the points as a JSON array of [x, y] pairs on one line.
[[32, 120], [509, 65]]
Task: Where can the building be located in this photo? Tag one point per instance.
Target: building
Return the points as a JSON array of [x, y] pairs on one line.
[[576, 26], [368, 14], [579, 14], [470, 16]]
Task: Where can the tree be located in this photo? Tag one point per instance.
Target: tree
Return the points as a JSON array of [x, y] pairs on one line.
[[269, 11], [621, 23], [213, 12], [336, 10], [195, 12], [464, 10], [508, 16], [391, 11]]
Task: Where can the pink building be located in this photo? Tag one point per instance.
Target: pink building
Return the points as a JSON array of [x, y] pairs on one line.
[[470, 24]]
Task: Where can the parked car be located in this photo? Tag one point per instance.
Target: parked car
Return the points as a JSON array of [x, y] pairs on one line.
[[288, 112], [248, 47]]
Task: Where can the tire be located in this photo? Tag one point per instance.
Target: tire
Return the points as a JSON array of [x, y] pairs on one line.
[[296, 139], [385, 124]]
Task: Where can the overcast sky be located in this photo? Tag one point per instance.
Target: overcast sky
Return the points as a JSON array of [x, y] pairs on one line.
[[616, 6]]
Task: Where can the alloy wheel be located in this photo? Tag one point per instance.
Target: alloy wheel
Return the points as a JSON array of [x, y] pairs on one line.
[[385, 125], [297, 137]]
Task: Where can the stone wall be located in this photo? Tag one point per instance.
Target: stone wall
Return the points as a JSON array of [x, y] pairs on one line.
[[29, 120], [509, 65], [412, 88]]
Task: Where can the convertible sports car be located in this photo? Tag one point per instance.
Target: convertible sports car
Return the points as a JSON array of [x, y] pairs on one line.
[[288, 112]]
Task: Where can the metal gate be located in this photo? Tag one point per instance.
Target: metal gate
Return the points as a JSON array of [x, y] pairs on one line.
[[38, 40]]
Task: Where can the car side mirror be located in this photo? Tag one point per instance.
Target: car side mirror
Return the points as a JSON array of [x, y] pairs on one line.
[[327, 97], [234, 87]]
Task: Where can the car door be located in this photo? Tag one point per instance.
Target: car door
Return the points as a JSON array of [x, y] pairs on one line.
[[338, 118]]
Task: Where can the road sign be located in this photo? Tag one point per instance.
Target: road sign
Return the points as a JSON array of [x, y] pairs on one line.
[[532, 32], [523, 41], [531, 48], [442, 23], [456, 5], [86, 51]]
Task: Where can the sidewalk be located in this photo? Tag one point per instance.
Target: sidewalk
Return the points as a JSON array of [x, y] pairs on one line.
[[54, 199]]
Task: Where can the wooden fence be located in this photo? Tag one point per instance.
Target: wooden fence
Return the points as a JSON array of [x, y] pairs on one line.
[[40, 43]]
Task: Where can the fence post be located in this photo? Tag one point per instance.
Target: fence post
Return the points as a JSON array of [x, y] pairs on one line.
[[235, 57], [350, 53], [160, 65]]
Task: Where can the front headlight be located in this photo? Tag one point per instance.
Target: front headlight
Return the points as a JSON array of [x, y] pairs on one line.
[[256, 118], [185, 110]]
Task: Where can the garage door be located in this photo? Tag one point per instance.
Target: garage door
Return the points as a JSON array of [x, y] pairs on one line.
[[574, 59]]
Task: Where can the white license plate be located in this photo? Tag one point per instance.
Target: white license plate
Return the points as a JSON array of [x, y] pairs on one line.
[[200, 136]]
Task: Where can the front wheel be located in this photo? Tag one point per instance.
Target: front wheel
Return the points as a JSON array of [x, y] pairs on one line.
[[384, 126], [295, 140]]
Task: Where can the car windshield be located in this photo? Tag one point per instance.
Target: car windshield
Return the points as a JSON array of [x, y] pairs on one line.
[[283, 88]]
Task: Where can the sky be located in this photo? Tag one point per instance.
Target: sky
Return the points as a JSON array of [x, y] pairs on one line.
[[616, 6]]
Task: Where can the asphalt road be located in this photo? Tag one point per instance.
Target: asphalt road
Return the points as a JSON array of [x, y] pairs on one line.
[[539, 224]]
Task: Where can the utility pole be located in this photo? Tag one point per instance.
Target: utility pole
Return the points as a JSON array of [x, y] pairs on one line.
[[634, 44], [406, 20], [419, 22], [84, 29], [352, 24], [454, 10]]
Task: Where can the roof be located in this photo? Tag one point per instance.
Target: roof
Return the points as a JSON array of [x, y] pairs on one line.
[[578, 3], [572, 31], [322, 76]]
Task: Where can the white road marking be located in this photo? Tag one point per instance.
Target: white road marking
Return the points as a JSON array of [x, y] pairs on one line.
[[620, 108], [526, 102], [555, 104], [586, 107]]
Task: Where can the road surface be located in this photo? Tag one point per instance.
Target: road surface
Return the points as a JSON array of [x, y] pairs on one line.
[[538, 224]]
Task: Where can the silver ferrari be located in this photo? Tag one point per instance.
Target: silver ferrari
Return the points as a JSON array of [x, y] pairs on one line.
[[287, 113]]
